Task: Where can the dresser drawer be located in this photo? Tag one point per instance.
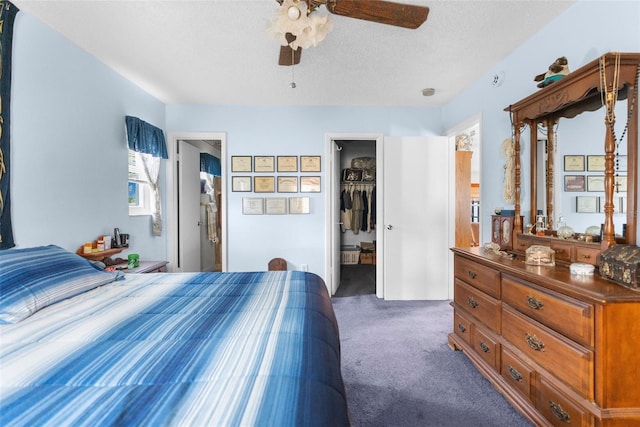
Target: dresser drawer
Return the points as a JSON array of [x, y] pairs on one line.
[[558, 409], [482, 277], [565, 359], [566, 315], [480, 305], [516, 372], [563, 250], [462, 326], [587, 255], [521, 242], [486, 347]]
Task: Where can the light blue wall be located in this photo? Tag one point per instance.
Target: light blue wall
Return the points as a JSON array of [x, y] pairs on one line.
[[584, 32], [69, 153], [68, 148], [253, 240]]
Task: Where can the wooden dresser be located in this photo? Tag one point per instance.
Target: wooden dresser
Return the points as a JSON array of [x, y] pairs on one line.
[[563, 350]]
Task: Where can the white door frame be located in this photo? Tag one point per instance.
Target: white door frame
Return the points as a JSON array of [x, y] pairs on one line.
[[451, 133], [171, 221], [331, 205]]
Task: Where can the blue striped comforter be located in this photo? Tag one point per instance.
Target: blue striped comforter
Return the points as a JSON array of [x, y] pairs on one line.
[[189, 349]]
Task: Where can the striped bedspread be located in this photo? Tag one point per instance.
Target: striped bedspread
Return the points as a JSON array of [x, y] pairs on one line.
[[192, 349]]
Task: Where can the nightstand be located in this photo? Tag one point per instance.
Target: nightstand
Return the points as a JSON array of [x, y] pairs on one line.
[[148, 267]]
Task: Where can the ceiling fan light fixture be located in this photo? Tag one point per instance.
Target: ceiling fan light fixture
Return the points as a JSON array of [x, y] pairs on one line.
[[293, 17]]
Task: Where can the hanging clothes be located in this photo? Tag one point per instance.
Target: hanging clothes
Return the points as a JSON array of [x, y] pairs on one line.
[[364, 226], [356, 218], [345, 210]]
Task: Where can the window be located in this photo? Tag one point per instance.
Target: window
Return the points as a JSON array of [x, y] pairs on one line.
[[139, 189]]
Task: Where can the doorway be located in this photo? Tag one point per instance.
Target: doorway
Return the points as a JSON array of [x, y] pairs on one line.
[[357, 217], [196, 202]]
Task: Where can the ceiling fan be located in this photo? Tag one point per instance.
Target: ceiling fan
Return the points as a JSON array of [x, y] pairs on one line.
[[298, 25]]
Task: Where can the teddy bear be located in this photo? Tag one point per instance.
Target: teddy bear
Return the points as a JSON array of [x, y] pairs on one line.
[[557, 70]]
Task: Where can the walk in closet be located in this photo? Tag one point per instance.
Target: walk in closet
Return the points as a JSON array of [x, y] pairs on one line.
[[357, 217]]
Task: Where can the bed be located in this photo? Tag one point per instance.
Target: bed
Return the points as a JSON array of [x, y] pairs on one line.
[[83, 346]]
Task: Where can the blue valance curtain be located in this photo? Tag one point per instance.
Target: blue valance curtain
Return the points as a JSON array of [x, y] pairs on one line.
[[145, 138], [210, 164], [7, 17]]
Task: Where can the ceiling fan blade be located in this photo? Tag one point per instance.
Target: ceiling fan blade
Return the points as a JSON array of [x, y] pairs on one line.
[[384, 12], [288, 56]]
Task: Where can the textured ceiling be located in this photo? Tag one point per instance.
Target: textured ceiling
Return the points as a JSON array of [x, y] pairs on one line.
[[218, 51]]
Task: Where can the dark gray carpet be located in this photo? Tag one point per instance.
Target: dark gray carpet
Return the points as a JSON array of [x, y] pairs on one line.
[[356, 279], [399, 371]]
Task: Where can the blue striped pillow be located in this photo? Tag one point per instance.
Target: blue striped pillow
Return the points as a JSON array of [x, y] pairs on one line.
[[33, 278]]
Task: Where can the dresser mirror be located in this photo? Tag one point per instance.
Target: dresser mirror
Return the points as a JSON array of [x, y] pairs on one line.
[[554, 116]]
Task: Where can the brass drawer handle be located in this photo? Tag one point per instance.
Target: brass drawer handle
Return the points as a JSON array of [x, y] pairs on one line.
[[513, 373], [472, 303], [472, 274], [534, 342], [462, 328], [559, 413], [484, 347], [559, 251], [534, 303], [585, 256]]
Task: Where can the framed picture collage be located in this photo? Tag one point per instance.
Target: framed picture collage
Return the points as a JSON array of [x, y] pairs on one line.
[[286, 175], [585, 174]]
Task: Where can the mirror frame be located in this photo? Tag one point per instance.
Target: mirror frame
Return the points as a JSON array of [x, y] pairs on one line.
[[578, 92]]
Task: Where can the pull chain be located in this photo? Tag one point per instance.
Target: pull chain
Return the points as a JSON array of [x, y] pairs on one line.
[[293, 66]]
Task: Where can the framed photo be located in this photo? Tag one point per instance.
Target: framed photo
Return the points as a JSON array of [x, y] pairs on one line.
[[310, 164], [240, 183], [618, 204], [275, 205], [264, 184], [241, 164], [352, 174], [620, 163], [298, 205], [620, 184], [309, 184], [264, 164], [595, 163], [595, 183], [574, 163], [252, 206], [587, 204], [287, 184], [574, 183], [287, 164]]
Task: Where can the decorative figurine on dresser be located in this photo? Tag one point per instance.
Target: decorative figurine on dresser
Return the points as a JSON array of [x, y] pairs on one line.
[[558, 341]]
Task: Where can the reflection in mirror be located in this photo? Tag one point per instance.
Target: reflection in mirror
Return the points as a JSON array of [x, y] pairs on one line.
[[579, 171]]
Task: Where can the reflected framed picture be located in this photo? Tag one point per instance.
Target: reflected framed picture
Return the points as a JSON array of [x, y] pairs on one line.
[[574, 163], [287, 164], [241, 164], [309, 184], [287, 184], [587, 204], [618, 204], [595, 183], [620, 184], [574, 183], [275, 205], [620, 164], [310, 164], [595, 163], [240, 183], [264, 164], [252, 206], [264, 184]]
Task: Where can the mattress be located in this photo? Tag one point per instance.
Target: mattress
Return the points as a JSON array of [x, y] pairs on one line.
[[253, 348]]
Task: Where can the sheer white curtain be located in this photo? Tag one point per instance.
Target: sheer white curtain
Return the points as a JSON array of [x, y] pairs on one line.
[[152, 170]]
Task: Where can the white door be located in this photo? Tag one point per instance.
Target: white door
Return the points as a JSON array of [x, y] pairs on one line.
[[189, 207], [415, 208]]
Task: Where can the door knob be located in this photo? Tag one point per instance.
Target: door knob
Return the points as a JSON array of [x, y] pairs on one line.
[[389, 227]]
